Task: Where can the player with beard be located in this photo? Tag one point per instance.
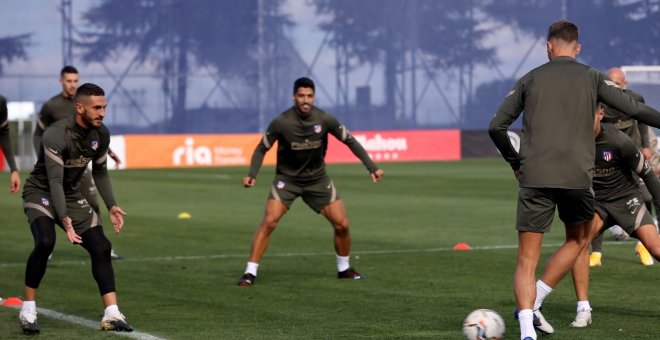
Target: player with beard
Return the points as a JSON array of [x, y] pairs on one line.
[[302, 136]]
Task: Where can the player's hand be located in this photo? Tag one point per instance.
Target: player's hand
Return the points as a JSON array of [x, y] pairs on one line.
[[114, 158], [117, 218], [377, 175], [647, 154], [70, 232], [14, 182], [249, 182]]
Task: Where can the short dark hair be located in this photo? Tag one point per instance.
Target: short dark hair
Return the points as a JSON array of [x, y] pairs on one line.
[[303, 82], [87, 90], [68, 69], [564, 30]]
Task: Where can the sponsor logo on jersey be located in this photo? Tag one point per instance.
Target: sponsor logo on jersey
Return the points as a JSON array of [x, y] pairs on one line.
[[607, 155], [317, 128], [280, 185], [306, 145], [95, 144], [45, 201]]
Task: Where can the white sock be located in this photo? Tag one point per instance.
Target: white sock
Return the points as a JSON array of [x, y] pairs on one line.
[[342, 263], [542, 291], [252, 268], [526, 320], [110, 311], [29, 306], [583, 306]]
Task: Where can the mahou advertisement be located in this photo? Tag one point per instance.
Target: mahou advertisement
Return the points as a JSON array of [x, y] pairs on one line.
[[178, 151]]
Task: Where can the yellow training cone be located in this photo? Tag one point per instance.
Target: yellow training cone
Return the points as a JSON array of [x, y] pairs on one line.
[[184, 216]]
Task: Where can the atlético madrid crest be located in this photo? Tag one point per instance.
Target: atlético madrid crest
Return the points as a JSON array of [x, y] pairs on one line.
[[607, 155], [317, 128], [95, 145]]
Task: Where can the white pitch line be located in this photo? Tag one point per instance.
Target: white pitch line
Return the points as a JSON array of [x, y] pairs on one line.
[[228, 256], [92, 324]]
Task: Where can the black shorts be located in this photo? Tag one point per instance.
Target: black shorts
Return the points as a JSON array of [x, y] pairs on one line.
[[37, 204], [317, 194], [630, 213], [536, 207]]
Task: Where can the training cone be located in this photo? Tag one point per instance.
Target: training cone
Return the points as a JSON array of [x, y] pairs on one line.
[[184, 216], [12, 301], [462, 246]]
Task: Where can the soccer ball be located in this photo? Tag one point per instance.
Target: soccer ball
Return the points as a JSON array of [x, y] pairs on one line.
[[483, 324]]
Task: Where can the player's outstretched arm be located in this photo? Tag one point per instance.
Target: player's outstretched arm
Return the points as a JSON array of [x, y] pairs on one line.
[[117, 218], [377, 175]]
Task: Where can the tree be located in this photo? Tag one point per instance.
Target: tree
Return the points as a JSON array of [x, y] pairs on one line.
[[12, 48], [445, 33], [177, 36], [612, 33]]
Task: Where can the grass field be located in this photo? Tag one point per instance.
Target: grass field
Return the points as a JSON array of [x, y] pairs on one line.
[[178, 280]]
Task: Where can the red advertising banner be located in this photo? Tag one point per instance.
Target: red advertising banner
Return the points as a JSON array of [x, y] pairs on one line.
[[400, 146]]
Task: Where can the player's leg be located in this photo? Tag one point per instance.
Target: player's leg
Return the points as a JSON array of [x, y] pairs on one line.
[[98, 246], [535, 212], [88, 190], [274, 211], [648, 235], [43, 233], [645, 257], [335, 213], [595, 259]]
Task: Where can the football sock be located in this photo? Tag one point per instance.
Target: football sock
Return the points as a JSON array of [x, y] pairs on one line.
[[526, 319], [252, 268], [29, 306], [111, 311], [583, 305], [542, 291], [342, 263]]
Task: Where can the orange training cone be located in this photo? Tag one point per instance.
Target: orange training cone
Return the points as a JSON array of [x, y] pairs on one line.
[[462, 246], [12, 301]]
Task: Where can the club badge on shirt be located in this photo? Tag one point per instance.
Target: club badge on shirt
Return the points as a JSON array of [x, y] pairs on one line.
[[45, 201], [280, 185], [317, 128], [607, 155], [95, 144]]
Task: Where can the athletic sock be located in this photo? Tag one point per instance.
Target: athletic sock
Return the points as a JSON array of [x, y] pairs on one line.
[[526, 320], [342, 263], [542, 291], [111, 311], [583, 306], [252, 268], [29, 306]]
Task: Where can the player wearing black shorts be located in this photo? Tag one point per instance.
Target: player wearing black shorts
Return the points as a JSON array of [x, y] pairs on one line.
[[5, 144], [639, 134], [59, 107], [52, 196], [301, 133], [619, 201], [556, 159]]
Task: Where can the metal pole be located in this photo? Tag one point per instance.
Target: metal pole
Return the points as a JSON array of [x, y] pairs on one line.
[[260, 65]]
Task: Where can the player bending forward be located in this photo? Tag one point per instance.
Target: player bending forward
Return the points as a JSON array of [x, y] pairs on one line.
[[619, 200]]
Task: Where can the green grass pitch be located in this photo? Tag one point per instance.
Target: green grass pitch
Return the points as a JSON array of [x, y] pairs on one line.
[[178, 280]]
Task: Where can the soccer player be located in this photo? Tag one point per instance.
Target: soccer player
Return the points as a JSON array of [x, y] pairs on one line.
[[619, 201], [5, 144], [57, 108], [302, 136], [52, 196], [638, 132], [556, 159]]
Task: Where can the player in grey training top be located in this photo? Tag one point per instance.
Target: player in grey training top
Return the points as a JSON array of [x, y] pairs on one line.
[[5, 144], [52, 196], [301, 133], [618, 201], [554, 166]]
